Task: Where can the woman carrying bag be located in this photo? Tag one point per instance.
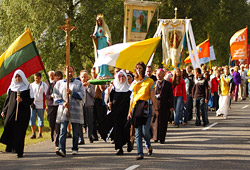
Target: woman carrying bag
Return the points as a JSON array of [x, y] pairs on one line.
[[141, 109]]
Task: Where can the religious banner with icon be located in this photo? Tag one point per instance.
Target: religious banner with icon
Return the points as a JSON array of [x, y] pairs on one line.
[[137, 17], [173, 31]]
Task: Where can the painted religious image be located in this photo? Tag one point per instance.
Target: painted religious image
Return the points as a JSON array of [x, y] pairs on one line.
[[173, 32], [174, 38], [140, 21]]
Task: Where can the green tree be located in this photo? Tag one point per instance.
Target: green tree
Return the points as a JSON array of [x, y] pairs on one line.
[[43, 18], [219, 19], [216, 19]]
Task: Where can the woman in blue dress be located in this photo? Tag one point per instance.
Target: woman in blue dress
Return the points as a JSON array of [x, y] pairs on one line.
[[101, 38]]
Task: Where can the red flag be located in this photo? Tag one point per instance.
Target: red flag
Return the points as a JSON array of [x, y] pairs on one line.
[[202, 50]]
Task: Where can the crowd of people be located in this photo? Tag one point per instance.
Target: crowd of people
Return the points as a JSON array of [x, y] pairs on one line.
[[132, 106]]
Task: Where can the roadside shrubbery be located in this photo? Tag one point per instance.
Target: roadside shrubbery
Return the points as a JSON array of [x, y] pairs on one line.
[[2, 99]]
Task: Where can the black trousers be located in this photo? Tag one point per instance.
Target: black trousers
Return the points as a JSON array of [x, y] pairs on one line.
[[162, 127], [216, 100], [100, 111], [52, 113]]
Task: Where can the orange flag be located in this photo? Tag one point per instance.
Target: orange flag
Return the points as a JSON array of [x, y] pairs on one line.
[[202, 50], [238, 45]]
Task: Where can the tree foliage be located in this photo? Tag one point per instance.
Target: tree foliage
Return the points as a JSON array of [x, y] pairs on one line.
[[218, 19]]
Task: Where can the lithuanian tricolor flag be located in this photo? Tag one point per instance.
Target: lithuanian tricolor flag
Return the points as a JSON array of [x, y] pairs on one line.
[[23, 55]]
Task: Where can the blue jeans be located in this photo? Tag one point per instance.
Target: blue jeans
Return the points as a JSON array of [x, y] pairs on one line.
[[143, 130], [201, 106], [40, 115], [182, 112], [63, 132], [178, 109]]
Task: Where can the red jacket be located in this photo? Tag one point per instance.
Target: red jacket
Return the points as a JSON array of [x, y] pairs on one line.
[[180, 89], [215, 84]]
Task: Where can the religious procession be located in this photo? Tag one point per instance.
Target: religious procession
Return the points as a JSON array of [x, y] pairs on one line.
[[124, 98]]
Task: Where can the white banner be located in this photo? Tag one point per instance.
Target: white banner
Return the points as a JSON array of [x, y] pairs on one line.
[[173, 31], [189, 38], [192, 47]]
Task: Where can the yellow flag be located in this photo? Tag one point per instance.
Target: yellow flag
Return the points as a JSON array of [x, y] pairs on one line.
[[127, 55]]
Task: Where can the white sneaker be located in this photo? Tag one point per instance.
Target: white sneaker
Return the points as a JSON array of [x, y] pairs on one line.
[[60, 153], [74, 152]]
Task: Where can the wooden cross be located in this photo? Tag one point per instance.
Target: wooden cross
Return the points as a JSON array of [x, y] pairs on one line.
[[67, 28]]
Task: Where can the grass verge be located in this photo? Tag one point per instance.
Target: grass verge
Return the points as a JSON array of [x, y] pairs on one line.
[[28, 141]]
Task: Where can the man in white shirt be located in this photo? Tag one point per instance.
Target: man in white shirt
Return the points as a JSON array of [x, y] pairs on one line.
[[37, 108]]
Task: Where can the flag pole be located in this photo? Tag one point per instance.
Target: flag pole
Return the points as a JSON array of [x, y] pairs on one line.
[[47, 77], [17, 104], [175, 12], [209, 53], [229, 62], [210, 65], [247, 49]]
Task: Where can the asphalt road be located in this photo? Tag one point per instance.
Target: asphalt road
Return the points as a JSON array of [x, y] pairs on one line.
[[224, 144]]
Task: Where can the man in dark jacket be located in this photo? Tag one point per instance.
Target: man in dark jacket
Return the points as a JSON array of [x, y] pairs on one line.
[[165, 103], [200, 95], [189, 103]]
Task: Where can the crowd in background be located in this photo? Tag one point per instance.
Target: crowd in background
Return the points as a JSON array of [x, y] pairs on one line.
[[132, 106]]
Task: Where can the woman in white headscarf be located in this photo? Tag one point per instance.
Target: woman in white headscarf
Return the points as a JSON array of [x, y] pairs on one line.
[[16, 111], [117, 119]]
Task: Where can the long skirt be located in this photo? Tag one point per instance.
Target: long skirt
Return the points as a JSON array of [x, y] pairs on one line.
[[223, 106]]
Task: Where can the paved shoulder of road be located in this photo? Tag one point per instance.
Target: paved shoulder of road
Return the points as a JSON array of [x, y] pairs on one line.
[[224, 144]]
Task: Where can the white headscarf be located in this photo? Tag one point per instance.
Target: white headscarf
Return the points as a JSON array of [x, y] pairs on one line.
[[121, 87], [20, 86]]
